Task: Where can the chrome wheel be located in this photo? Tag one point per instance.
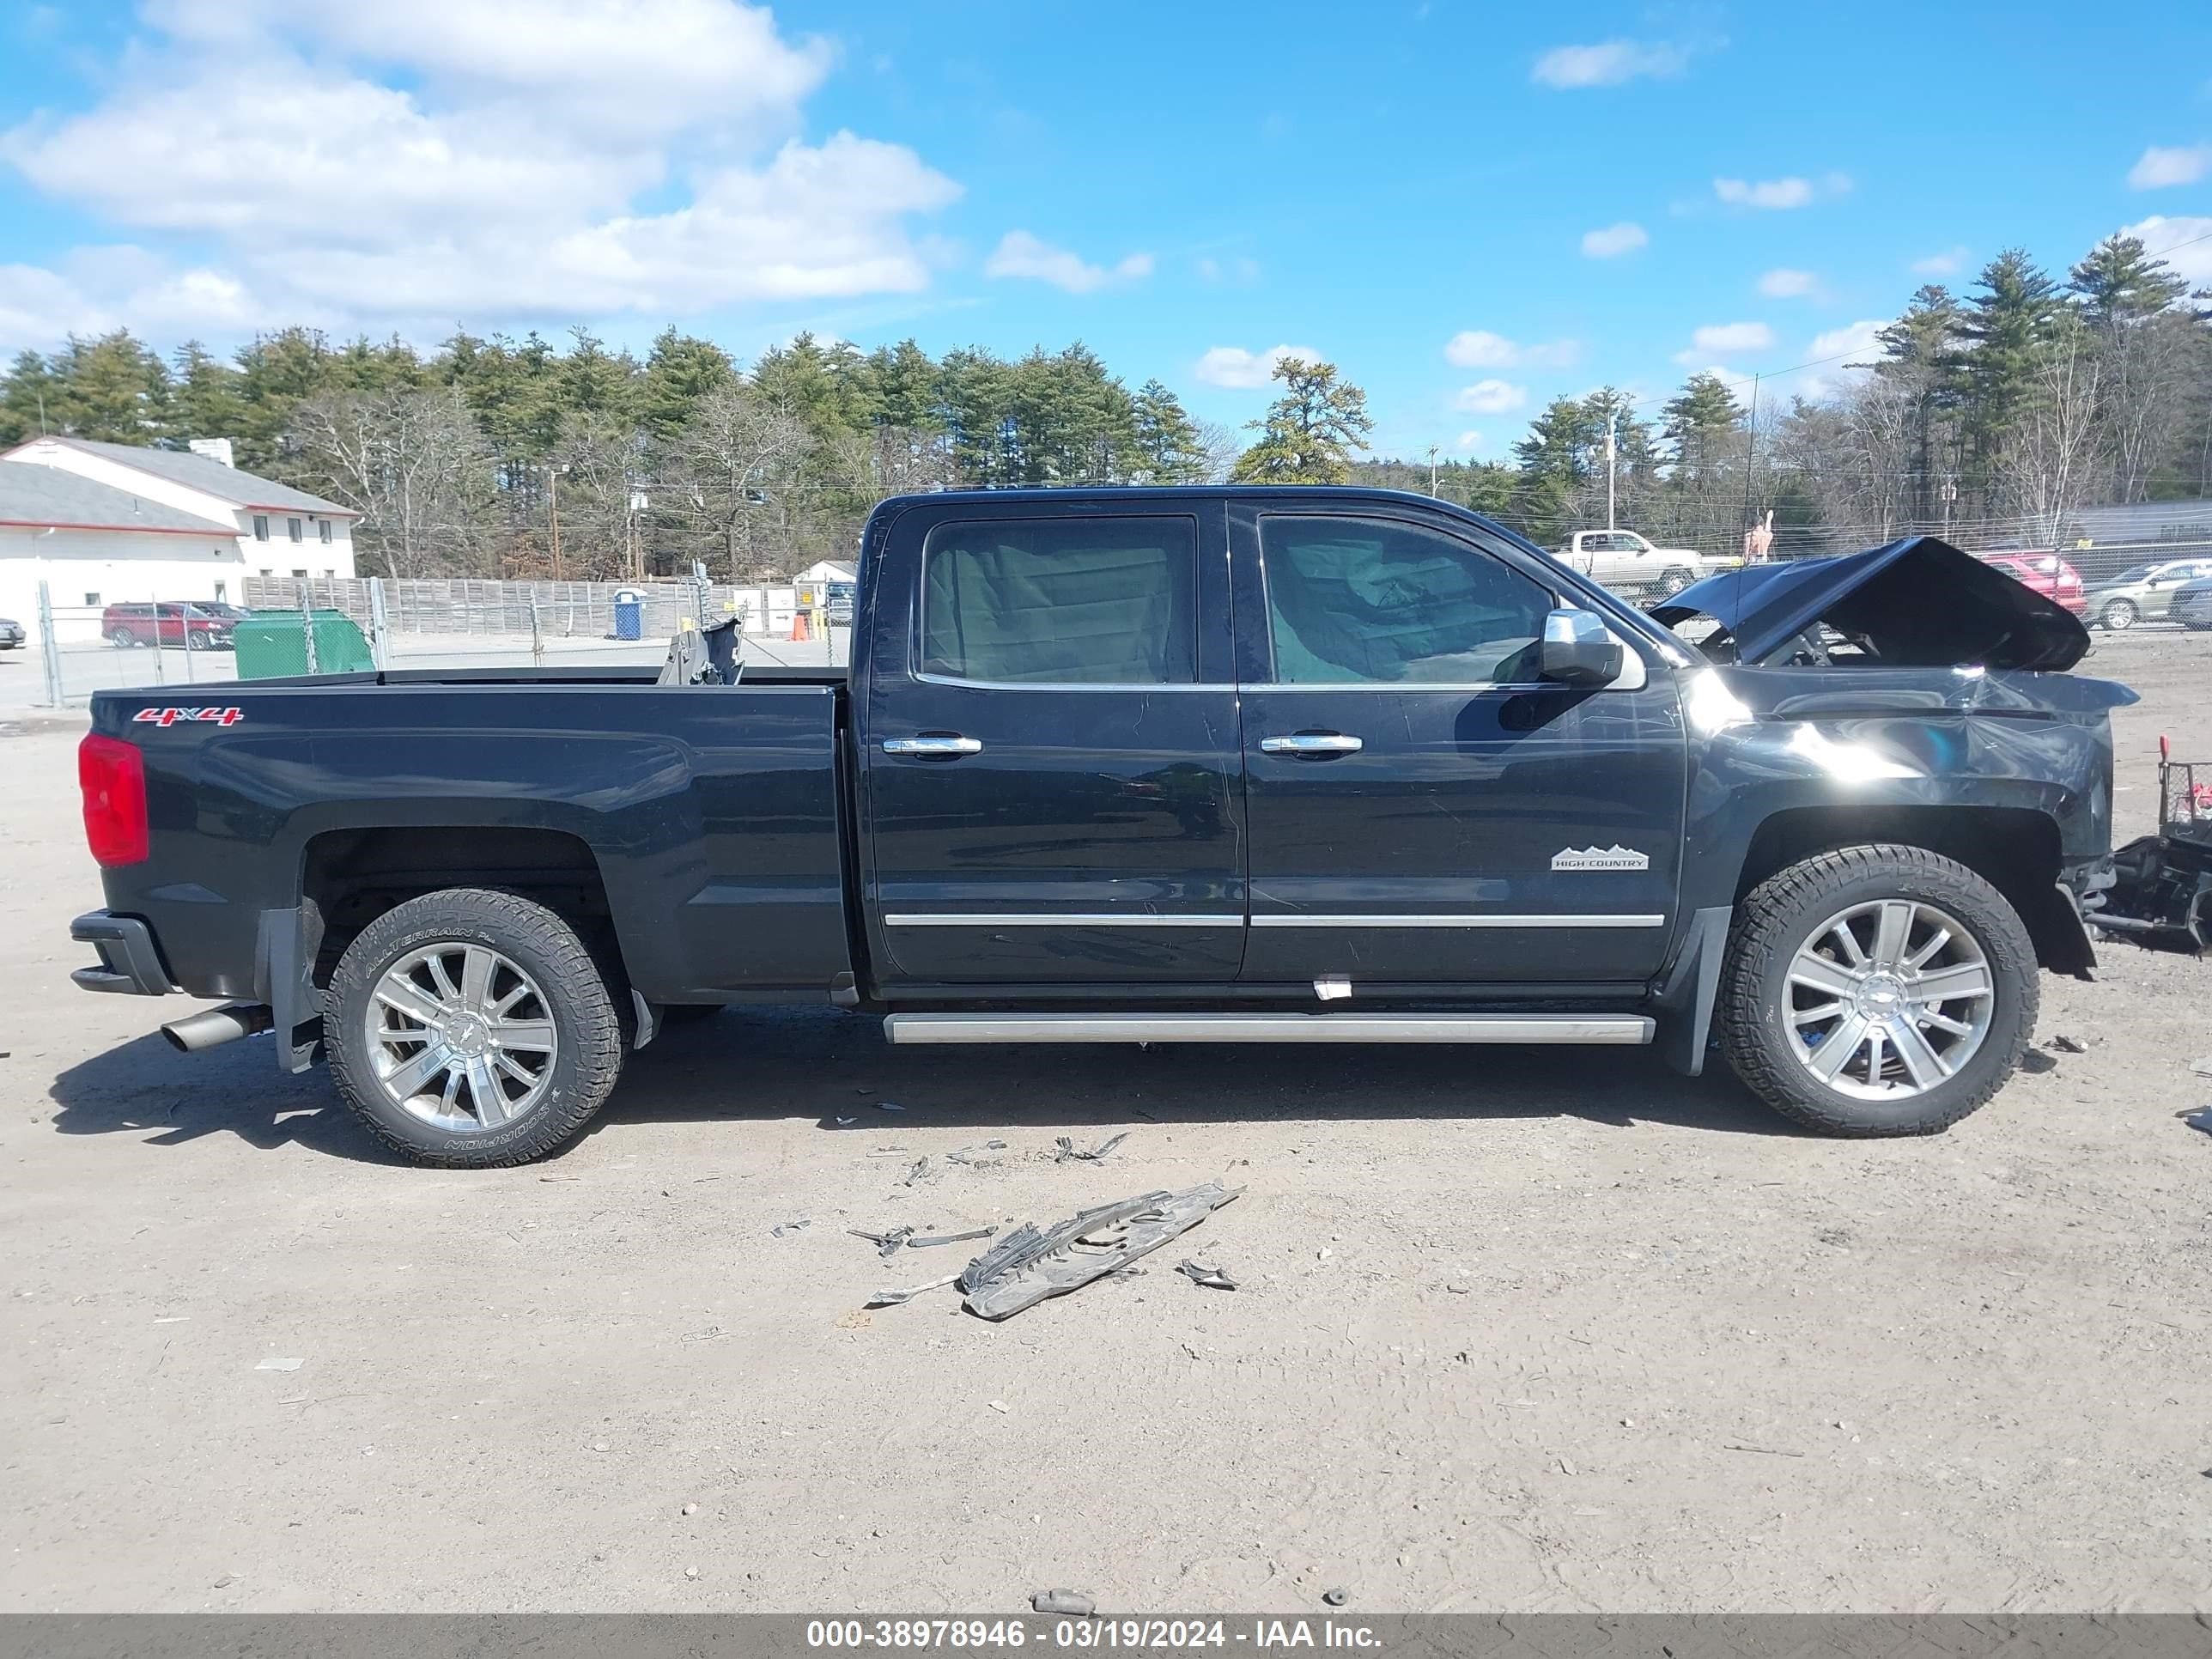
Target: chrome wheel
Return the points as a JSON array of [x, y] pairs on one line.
[[461, 1037], [2119, 615], [1888, 998]]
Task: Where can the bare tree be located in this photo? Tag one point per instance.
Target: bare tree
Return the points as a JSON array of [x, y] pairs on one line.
[[606, 462], [1219, 445], [2053, 451], [735, 462], [416, 467]]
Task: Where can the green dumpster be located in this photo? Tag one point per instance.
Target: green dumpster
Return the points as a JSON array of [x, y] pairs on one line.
[[273, 643]]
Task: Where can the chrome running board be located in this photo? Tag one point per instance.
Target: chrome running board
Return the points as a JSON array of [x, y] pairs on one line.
[[1623, 1028]]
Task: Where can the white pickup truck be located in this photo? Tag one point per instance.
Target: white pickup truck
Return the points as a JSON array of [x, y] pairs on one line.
[[1623, 561]]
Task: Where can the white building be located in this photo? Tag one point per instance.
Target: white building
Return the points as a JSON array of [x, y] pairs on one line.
[[828, 570], [107, 524]]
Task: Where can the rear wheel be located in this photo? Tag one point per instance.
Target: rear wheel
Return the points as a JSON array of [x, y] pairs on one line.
[[2119, 614], [471, 1028], [1877, 990], [122, 638], [1674, 582], [196, 641]]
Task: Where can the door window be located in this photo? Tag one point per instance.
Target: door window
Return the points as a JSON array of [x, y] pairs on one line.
[[1370, 601], [1105, 601]]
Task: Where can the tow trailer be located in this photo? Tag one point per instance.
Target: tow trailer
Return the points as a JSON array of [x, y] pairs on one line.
[[2161, 895]]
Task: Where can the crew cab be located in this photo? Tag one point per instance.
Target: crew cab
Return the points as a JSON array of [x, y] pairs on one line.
[[1270, 766], [1624, 560]]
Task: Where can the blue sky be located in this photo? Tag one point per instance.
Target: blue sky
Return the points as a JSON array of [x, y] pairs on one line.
[[1468, 208]]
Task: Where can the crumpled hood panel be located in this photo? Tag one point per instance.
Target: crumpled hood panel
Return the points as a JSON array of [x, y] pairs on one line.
[[1920, 602]]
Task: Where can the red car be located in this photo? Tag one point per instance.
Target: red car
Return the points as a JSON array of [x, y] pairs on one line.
[[2046, 573], [198, 625]]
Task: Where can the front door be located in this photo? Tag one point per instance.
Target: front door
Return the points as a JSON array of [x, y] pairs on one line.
[[1053, 782], [1422, 808]]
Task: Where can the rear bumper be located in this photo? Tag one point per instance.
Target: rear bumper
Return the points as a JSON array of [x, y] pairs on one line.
[[129, 962]]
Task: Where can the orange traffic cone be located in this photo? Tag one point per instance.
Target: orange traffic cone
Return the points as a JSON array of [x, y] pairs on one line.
[[799, 631]]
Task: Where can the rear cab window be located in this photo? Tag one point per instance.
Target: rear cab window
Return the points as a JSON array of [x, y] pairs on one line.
[[1103, 601]]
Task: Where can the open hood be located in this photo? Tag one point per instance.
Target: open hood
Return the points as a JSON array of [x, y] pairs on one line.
[[1918, 603]]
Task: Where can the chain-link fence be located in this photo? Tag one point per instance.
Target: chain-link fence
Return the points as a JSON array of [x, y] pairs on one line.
[[158, 643]]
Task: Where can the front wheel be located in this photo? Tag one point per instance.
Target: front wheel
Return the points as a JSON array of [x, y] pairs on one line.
[[196, 641], [122, 638], [1674, 582], [1878, 990], [2119, 614], [471, 1028]]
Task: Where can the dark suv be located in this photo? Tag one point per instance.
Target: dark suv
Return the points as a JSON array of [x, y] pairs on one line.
[[197, 625]]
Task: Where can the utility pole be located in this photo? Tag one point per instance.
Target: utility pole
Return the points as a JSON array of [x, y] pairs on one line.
[[1432, 468], [1612, 426], [1750, 451], [1949, 494], [553, 507]]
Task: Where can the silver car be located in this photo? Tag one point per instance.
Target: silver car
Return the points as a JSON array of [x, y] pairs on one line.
[[2143, 594]]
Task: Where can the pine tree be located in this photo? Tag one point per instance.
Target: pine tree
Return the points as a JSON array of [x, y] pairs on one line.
[[1311, 432], [1167, 442], [35, 399], [1705, 424], [679, 373], [207, 399]]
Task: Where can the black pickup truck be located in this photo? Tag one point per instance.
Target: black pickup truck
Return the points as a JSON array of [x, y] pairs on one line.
[[1155, 766]]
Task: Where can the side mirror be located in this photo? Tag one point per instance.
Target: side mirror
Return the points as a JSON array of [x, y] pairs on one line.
[[1578, 650]]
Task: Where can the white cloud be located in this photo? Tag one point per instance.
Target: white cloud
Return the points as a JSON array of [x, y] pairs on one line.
[[1791, 192], [1240, 268], [99, 289], [1857, 339], [1732, 336], [1612, 241], [1948, 263], [2157, 168], [1782, 284], [2162, 236], [429, 160], [1020, 254], [1608, 64], [1240, 370], [1467, 441], [1477, 347], [1492, 398]]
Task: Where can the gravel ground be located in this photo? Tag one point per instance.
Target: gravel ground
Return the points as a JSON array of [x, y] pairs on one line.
[[1516, 1330]]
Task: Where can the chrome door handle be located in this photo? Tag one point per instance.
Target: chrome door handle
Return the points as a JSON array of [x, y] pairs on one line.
[[1312, 744], [938, 746]]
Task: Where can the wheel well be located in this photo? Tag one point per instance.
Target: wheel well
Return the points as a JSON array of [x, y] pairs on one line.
[[351, 877], [2014, 849]]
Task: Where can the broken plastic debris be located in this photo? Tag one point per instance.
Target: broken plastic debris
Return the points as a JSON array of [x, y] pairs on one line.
[[948, 1238], [886, 1243], [1336, 1598], [1332, 988], [2202, 1065], [2067, 1045], [967, 1154], [921, 1168], [1028, 1265], [889, 1106], [273, 1363], [799, 1225], [2200, 1120], [892, 1298], [1069, 1604], [1069, 1150], [1212, 1278]]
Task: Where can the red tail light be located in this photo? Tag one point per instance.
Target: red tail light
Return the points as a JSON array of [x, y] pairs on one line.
[[112, 775]]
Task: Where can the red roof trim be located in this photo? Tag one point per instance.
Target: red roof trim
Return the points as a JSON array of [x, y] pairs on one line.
[[214, 531]]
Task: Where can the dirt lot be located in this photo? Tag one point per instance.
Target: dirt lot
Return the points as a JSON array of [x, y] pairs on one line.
[[1525, 1331]]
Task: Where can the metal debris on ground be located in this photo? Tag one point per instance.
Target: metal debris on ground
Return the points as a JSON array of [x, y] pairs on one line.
[[920, 1167], [887, 1244], [1212, 1278], [967, 1154], [1069, 1604], [799, 1225], [1069, 1150], [1030, 1265], [949, 1238], [2067, 1045], [1336, 1598], [892, 1298]]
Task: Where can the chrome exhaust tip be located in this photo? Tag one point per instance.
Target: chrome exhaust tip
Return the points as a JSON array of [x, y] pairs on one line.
[[213, 1027]]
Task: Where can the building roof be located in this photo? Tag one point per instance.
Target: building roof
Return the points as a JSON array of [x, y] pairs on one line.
[[199, 472], [45, 497]]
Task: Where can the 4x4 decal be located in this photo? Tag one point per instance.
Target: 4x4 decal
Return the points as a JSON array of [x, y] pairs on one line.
[[179, 716]]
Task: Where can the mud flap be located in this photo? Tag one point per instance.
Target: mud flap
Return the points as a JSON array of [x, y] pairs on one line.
[[1690, 987], [284, 972]]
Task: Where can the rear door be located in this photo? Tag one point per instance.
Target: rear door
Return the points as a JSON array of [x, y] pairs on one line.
[[1048, 741], [1422, 809]]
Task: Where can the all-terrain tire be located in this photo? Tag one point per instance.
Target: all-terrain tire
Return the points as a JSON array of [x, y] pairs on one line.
[[589, 1033], [1752, 1015]]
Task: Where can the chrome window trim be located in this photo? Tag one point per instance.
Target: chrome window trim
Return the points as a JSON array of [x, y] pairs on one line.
[[1065, 919], [1555, 920], [1070, 685]]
